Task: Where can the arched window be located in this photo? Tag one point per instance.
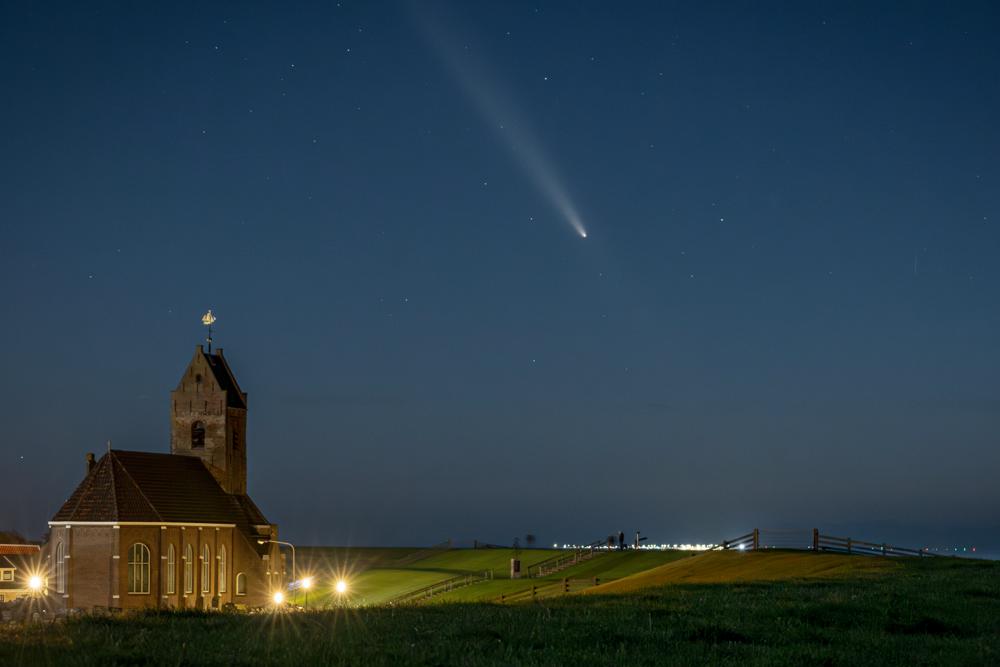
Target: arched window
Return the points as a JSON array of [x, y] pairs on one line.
[[197, 435], [222, 569], [60, 568], [171, 570], [241, 584], [138, 569], [206, 569], [188, 569]]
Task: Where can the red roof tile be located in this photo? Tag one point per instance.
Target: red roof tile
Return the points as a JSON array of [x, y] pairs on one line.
[[19, 549]]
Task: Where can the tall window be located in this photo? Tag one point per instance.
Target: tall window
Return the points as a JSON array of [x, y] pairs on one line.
[[222, 569], [171, 570], [206, 569], [60, 568], [188, 569], [197, 435], [241, 584], [138, 568]]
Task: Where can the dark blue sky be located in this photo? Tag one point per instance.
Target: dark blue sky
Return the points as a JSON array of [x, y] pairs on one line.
[[785, 312]]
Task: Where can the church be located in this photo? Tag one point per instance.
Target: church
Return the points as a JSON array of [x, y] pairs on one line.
[[170, 531]]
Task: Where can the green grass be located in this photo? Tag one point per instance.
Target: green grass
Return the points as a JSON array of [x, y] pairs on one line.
[[355, 559], [461, 561], [605, 566], [922, 611], [376, 578], [716, 567]]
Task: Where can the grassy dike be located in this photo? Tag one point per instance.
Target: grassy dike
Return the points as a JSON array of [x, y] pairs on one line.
[[826, 609]]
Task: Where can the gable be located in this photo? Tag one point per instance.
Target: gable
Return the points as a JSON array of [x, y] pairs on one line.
[[215, 375]]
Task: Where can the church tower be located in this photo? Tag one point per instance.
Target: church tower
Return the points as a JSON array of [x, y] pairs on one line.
[[208, 419]]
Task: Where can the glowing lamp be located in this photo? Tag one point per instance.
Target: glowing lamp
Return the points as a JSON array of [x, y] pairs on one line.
[[307, 583], [340, 587], [278, 597], [35, 583]]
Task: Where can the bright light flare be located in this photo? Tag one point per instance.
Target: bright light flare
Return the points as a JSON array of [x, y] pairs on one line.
[[35, 583], [307, 583], [340, 587], [278, 597]]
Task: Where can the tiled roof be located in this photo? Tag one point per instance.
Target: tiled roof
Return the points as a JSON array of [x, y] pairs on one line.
[[235, 398], [143, 486], [20, 549]]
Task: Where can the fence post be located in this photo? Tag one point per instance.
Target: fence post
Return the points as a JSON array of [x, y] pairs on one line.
[[883, 548], [565, 585], [534, 591], [503, 598], [597, 580], [815, 539], [756, 539], [848, 545]]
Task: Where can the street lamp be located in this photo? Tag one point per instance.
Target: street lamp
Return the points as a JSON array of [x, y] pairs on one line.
[[307, 583], [287, 544], [341, 587], [35, 583]]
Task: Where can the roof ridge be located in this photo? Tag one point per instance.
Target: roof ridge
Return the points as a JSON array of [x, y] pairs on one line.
[[114, 490], [212, 360], [229, 372], [137, 488], [89, 482]]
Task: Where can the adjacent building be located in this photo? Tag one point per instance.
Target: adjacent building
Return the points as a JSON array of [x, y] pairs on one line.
[[177, 530], [18, 564]]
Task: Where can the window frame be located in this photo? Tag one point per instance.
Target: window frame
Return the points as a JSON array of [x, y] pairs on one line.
[[198, 427], [206, 570], [188, 569], [241, 577], [222, 586], [171, 570], [138, 574], [60, 567]]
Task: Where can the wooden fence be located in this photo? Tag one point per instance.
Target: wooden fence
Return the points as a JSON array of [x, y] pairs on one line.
[[548, 589], [562, 561], [439, 587], [758, 539]]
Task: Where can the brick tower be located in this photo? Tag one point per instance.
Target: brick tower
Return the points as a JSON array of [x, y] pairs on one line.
[[208, 419]]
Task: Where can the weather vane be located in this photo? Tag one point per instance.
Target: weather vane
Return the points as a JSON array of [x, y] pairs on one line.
[[208, 319]]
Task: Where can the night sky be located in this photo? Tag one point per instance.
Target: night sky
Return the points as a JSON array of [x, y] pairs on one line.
[[784, 313]]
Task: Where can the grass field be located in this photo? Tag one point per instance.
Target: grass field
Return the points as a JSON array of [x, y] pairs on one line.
[[606, 566], [376, 579], [719, 567], [842, 611]]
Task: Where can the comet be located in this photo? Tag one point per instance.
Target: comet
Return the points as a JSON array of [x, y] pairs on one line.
[[499, 111]]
